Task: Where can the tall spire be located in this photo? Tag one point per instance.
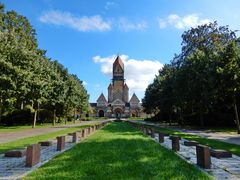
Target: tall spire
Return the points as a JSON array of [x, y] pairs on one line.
[[118, 61]]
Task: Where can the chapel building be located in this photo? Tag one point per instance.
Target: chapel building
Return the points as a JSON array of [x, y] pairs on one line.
[[117, 104]]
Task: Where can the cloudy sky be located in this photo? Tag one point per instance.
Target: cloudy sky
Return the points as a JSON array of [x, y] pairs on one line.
[[86, 35]]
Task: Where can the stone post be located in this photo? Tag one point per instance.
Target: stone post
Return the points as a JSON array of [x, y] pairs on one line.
[[175, 143], [203, 156], [160, 137], [83, 133], [152, 133], [33, 155], [75, 137], [60, 143]]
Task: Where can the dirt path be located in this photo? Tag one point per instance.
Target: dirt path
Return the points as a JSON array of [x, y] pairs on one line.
[[12, 136]]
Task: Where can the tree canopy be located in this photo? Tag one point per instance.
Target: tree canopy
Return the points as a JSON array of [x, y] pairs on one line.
[[201, 84], [28, 77]]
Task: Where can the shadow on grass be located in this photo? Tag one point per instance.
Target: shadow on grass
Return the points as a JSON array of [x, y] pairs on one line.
[[118, 151]]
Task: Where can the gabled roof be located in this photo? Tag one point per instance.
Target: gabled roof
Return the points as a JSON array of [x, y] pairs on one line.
[[110, 86], [134, 99], [101, 98], [119, 62], [126, 86]]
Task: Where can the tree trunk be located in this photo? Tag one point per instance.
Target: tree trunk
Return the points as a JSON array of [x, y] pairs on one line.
[[170, 119], [1, 106], [34, 119], [54, 117], [74, 115], [201, 119], [38, 114], [22, 105], [236, 114]]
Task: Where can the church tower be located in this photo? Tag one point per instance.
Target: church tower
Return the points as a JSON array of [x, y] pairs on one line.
[[117, 104], [117, 89]]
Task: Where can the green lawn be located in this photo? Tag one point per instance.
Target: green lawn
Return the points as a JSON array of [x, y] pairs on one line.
[[118, 151], [235, 149], [24, 127], [21, 143]]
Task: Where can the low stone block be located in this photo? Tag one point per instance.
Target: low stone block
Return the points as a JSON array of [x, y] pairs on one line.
[[149, 132], [16, 153], [203, 156], [190, 143], [60, 143], [89, 130], [75, 137], [161, 137], [218, 153], [175, 143], [33, 155], [46, 143], [152, 133]]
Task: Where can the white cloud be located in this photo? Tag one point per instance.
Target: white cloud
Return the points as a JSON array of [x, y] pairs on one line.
[[126, 25], [84, 83], [188, 21], [110, 4], [84, 23], [138, 73]]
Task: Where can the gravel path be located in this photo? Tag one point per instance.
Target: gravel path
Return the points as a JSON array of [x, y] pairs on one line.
[[12, 136], [221, 136]]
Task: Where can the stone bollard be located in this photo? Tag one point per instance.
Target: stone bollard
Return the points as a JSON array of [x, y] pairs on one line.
[[175, 143], [33, 155], [152, 133], [203, 156], [60, 143], [145, 131], [46, 143], [160, 137], [15, 153], [75, 137], [83, 133]]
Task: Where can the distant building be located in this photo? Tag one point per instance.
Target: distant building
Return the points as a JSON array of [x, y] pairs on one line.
[[118, 104]]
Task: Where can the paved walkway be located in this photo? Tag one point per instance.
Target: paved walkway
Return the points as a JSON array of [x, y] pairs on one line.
[[12, 136], [221, 136], [224, 168]]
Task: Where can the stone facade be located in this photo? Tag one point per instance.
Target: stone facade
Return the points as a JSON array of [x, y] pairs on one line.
[[117, 105]]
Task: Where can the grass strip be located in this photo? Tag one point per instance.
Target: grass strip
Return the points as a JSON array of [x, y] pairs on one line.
[[21, 143], [118, 151], [25, 127]]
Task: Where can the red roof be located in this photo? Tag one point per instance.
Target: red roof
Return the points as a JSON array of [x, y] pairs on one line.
[[101, 98], [118, 61]]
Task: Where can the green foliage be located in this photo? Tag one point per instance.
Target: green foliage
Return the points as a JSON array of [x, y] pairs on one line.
[[27, 76], [202, 81], [23, 143]]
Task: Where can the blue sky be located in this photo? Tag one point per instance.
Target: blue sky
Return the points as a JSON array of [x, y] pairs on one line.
[[86, 35]]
